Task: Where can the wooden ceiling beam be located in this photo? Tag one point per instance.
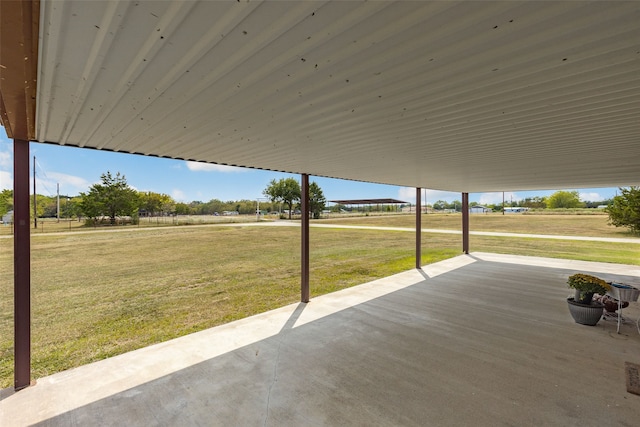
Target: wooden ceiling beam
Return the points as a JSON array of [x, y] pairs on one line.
[[19, 26]]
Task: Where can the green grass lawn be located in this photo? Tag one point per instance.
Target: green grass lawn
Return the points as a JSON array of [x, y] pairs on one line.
[[95, 295]]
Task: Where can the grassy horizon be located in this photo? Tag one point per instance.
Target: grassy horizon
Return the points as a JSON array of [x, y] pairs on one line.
[[96, 295]]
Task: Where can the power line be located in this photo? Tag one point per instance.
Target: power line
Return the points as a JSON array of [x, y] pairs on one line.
[[38, 165]]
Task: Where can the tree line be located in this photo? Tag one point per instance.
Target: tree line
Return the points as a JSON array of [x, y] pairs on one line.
[[113, 198], [559, 200]]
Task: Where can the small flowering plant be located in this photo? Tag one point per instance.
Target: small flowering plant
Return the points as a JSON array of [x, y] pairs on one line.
[[588, 283]]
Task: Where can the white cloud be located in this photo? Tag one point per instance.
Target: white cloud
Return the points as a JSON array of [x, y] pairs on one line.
[[6, 168], [447, 196], [178, 195], [6, 181], [408, 194], [210, 167], [591, 197], [497, 198], [6, 160], [69, 184], [70, 180]]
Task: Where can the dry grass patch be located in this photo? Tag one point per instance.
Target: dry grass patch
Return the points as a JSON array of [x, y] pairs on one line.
[[95, 295], [573, 225]]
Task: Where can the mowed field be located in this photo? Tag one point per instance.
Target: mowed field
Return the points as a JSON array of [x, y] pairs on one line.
[[552, 224], [98, 294]]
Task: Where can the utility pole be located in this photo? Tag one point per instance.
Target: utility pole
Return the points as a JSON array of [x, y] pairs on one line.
[[426, 205], [258, 212], [35, 208], [58, 201]]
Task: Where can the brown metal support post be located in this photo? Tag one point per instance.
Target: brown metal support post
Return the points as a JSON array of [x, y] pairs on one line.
[[465, 223], [418, 228], [21, 265], [304, 197]]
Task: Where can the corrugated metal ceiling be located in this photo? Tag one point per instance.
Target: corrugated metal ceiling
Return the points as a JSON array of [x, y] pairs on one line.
[[470, 96]]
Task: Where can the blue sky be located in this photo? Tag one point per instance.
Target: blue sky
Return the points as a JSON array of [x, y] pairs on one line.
[[75, 170]]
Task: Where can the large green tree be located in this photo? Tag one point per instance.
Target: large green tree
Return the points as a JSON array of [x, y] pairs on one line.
[[156, 203], [564, 200], [70, 207], [534, 202], [6, 201], [317, 200], [624, 210], [113, 197], [286, 190], [182, 209], [47, 206]]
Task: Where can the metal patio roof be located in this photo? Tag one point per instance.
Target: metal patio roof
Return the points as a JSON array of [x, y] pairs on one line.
[[458, 96]]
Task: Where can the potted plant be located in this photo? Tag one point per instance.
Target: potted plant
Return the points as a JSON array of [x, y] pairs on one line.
[[582, 308], [586, 285]]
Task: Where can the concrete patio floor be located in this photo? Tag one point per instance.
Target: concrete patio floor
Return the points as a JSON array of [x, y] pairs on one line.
[[482, 340]]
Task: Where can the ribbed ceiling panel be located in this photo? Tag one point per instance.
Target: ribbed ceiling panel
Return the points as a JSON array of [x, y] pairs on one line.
[[459, 96]]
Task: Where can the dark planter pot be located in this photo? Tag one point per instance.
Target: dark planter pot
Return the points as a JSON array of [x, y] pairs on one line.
[[585, 314], [611, 305], [583, 297]]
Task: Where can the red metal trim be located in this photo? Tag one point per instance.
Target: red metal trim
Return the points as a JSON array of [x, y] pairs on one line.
[[418, 227], [304, 251], [21, 265], [465, 223]]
